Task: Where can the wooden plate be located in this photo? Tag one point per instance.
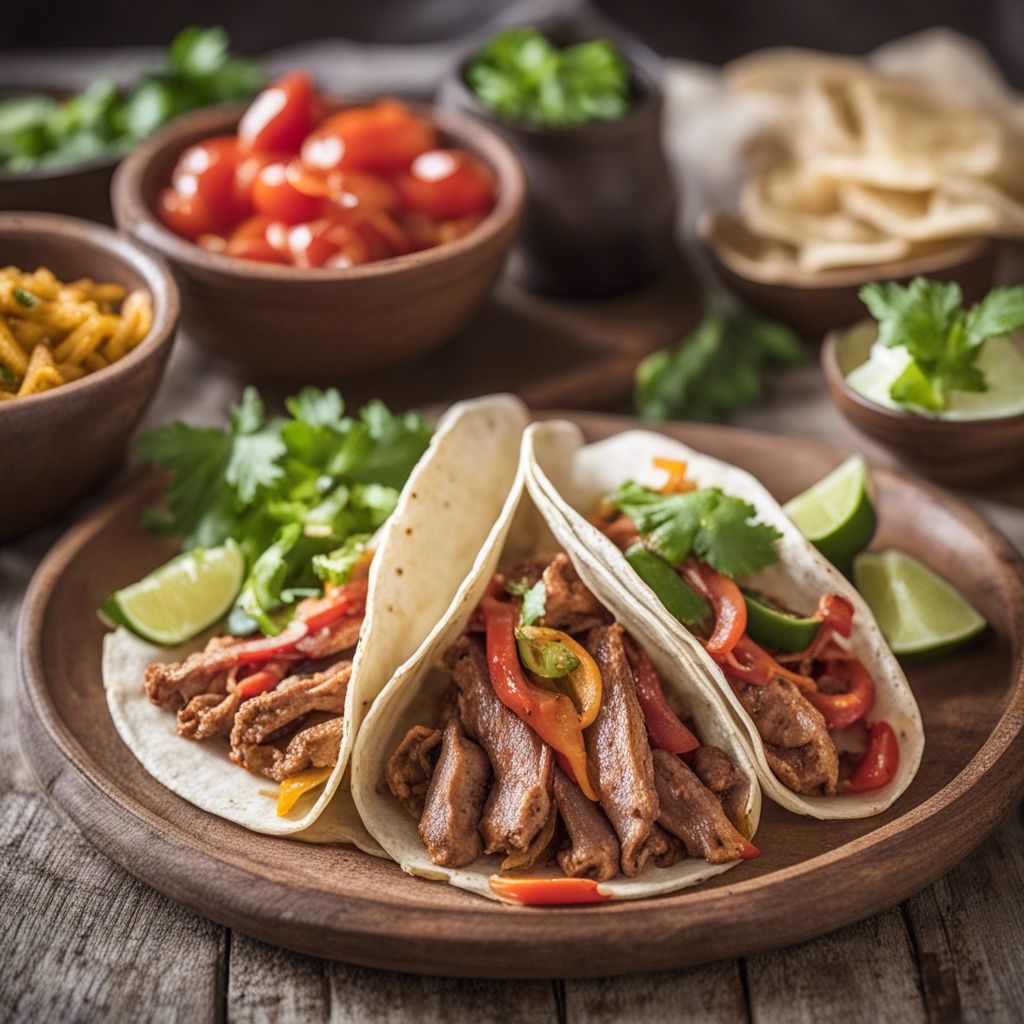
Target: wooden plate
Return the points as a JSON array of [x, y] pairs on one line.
[[335, 902]]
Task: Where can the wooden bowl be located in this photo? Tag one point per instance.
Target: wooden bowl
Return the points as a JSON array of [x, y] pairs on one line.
[[80, 189], [321, 324], [958, 453], [58, 445], [600, 204], [815, 303]]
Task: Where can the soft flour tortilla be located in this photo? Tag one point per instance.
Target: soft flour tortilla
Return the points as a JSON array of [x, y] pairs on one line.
[[572, 477], [414, 694], [427, 548]]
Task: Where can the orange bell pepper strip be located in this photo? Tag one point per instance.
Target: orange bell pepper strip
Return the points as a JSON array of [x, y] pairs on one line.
[[726, 599], [547, 892], [348, 599], [664, 729], [292, 788], [843, 709], [880, 762], [584, 682], [676, 482], [552, 716]]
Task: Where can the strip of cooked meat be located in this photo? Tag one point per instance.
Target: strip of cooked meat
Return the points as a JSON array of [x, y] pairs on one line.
[[692, 812], [594, 850], [316, 746], [714, 767], [568, 604], [259, 718], [539, 850], [173, 684], [668, 849], [339, 636], [409, 768], [617, 748], [455, 800], [208, 714], [520, 799], [797, 745]]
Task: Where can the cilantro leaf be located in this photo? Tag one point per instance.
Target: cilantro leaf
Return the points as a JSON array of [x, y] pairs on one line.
[[928, 320], [24, 298], [534, 600], [521, 75], [336, 566], [716, 370], [707, 523]]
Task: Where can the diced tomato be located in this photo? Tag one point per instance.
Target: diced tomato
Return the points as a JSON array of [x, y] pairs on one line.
[[207, 170], [372, 191], [446, 183], [274, 195], [245, 177], [385, 137], [258, 249], [280, 117]]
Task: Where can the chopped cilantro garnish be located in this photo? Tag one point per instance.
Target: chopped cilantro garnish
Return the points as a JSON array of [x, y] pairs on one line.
[[300, 495], [534, 599], [944, 341], [24, 298], [707, 523]]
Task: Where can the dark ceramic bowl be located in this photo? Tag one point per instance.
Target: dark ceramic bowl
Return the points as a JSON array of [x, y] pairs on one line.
[[59, 445], [600, 205], [79, 189], [958, 453], [321, 324], [815, 303]]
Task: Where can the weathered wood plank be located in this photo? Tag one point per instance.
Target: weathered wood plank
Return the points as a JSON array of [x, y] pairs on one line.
[[709, 994], [82, 940], [267, 985], [360, 996], [854, 974], [968, 930]]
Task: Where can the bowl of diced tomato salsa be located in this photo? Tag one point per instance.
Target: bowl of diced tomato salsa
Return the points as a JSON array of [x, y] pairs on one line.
[[315, 237]]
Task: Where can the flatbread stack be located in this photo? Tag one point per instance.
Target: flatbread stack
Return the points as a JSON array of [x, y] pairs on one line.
[[857, 168]]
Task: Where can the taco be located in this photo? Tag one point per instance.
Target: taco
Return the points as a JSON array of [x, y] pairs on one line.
[[259, 731], [545, 746], [777, 633]]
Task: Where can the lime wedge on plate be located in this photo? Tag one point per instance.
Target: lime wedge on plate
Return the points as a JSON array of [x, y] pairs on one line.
[[836, 514], [181, 598], [917, 611]]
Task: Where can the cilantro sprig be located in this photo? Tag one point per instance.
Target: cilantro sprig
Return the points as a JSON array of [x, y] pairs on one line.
[[300, 494], [720, 529], [521, 75], [534, 600], [943, 339], [716, 370], [198, 70]]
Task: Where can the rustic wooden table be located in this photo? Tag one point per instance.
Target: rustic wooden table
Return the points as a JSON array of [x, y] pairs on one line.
[[83, 940]]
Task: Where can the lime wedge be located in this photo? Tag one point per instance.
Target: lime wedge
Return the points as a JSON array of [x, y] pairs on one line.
[[181, 598], [836, 514], [917, 611]]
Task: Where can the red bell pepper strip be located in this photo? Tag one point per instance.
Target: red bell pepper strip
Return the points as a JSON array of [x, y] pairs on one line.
[[664, 729], [836, 613], [748, 662], [547, 892], [255, 652], [262, 681], [749, 851], [349, 599], [727, 601], [880, 762], [552, 716], [843, 709]]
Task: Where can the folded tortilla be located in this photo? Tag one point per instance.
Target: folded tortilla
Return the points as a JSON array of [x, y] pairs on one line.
[[426, 550], [570, 478], [414, 694]]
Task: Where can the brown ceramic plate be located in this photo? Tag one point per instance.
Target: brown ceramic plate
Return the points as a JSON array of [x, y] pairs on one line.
[[813, 876]]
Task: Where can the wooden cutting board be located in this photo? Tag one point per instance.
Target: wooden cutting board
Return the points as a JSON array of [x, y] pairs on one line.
[[812, 877]]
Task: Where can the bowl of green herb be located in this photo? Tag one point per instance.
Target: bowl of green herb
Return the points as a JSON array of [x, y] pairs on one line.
[[581, 106], [939, 383], [58, 151]]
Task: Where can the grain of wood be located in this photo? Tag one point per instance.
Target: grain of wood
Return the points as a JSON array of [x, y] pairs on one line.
[[82, 940], [855, 973], [267, 985], [360, 995], [709, 995], [968, 930]]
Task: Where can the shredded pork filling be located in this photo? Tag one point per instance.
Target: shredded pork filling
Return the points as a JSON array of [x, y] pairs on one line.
[[485, 783]]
